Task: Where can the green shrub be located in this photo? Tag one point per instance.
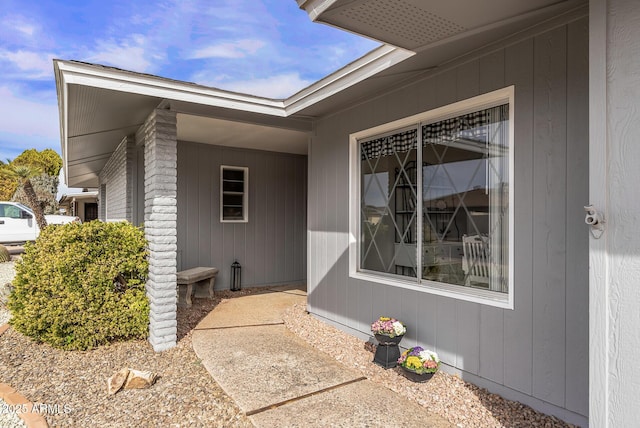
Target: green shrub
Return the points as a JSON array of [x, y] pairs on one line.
[[82, 285], [4, 254]]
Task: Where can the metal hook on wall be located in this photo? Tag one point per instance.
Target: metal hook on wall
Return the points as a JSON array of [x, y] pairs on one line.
[[595, 219]]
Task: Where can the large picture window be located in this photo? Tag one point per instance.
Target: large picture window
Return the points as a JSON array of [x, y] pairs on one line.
[[434, 202]]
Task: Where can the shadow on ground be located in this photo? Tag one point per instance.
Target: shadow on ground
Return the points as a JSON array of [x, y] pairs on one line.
[[189, 316]]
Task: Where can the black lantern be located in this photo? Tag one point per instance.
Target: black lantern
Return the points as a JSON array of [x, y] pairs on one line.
[[236, 275]]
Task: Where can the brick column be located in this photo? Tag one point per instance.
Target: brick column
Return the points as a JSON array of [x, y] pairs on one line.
[[160, 216]]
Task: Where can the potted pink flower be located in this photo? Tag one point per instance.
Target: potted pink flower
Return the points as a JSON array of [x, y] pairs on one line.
[[385, 328], [388, 332]]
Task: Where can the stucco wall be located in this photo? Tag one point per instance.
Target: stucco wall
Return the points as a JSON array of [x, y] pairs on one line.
[[538, 352]]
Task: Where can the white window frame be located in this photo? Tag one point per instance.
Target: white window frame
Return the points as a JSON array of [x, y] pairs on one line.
[[486, 297], [245, 194]]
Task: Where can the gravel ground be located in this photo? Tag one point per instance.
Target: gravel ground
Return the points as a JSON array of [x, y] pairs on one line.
[[73, 383], [186, 395], [10, 420], [461, 403], [7, 272]]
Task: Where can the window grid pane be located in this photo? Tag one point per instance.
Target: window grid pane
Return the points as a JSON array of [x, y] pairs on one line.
[[464, 163], [465, 200], [388, 204]]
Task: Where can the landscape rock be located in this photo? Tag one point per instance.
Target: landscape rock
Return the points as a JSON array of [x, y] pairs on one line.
[[130, 379], [140, 379], [5, 290], [115, 382]]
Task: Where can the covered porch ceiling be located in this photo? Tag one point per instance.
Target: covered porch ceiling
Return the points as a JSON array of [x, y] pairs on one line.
[[99, 106], [224, 132]]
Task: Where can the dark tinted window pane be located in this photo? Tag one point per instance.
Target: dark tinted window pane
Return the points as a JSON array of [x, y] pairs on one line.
[[235, 200], [232, 213], [233, 186], [232, 174]]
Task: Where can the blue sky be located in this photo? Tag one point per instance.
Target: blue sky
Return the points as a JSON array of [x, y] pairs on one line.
[[262, 47]]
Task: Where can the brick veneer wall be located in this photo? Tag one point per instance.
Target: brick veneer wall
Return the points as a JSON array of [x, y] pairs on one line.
[[158, 135], [117, 179]]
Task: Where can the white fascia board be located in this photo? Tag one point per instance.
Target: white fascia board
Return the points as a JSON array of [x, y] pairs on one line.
[[61, 89], [124, 81], [79, 195], [315, 8], [372, 63]]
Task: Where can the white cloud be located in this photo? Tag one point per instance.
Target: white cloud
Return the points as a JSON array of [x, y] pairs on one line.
[[26, 117], [26, 29], [335, 55], [38, 65], [237, 49], [279, 86], [134, 53], [20, 24]]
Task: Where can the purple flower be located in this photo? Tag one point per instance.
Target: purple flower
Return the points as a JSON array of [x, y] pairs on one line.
[[416, 351], [419, 361]]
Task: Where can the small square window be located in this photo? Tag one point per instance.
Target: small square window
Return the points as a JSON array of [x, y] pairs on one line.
[[234, 185]]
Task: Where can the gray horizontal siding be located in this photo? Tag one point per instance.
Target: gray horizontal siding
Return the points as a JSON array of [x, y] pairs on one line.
[[271, 247], [538, 350]]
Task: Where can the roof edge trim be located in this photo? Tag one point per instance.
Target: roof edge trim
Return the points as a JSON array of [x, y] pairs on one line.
[[315, 8], [61, 90], [364, 67], [73, 72], [85, 74]]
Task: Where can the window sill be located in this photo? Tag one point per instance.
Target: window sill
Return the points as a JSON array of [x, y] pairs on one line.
[[458, 292]]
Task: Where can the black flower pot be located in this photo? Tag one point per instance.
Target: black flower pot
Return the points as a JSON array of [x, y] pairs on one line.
[[385, 340], [416, 377], [387, 352]]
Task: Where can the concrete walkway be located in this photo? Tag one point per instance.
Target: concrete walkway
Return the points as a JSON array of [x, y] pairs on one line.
[[279, 380]]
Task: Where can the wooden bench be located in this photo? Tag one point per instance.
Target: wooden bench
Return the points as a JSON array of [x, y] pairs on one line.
[[191, 276]]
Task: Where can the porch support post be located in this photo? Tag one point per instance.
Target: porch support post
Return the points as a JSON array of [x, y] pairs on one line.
[[160, 215]]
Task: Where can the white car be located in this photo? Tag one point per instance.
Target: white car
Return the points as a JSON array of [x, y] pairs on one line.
[[18, 223]]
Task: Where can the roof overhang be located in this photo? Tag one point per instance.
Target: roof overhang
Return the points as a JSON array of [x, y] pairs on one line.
[[417, 25], [79, 196], [100, 105], [432, 58]]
